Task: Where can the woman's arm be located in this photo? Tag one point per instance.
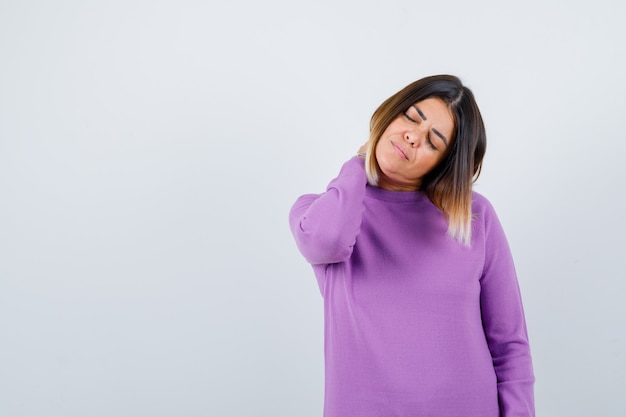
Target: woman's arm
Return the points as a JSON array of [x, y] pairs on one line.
[[325, 225], [504, 323]]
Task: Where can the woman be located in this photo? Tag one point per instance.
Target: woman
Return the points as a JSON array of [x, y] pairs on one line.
[[423, 314]]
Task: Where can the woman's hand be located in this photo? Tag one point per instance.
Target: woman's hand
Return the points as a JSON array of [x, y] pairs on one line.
[[362, 150]]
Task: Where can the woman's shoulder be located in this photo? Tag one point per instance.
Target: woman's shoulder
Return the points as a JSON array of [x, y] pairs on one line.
[[479, 199], [480, 204]]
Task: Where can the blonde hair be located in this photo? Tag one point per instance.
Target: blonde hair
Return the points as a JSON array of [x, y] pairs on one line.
[[449, 185]]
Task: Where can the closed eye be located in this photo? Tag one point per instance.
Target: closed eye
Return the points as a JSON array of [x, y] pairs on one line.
[[430, 142], [406, 114]]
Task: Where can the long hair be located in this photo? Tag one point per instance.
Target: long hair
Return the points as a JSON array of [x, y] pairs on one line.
[[449, 185]]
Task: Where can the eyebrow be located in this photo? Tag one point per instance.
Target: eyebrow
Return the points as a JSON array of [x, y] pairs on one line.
[[435, 131]]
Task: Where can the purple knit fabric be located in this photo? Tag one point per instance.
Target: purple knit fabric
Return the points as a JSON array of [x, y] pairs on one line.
[[416, 324]]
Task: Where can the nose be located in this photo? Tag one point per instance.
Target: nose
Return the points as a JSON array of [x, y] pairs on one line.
[[413, 137]]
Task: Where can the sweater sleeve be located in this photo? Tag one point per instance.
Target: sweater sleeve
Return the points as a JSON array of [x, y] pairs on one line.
[[504, 323], [325, 225]]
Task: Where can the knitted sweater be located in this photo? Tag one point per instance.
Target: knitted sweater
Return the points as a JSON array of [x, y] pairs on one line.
[[415, 323]]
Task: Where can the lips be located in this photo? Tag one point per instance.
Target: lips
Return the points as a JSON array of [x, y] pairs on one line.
[[400, 151]]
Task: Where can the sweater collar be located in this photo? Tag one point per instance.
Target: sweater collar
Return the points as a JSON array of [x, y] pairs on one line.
[[395, 196]]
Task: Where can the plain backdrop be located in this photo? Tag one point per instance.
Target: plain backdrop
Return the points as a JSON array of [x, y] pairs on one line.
[[150, 152]]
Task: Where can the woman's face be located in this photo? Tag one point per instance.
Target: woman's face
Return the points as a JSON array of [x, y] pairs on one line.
[[413, 144]]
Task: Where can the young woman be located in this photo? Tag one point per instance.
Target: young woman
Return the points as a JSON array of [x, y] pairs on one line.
[[423, 314]]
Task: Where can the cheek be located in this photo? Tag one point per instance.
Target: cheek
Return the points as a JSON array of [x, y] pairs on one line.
[[385, 155], [379, 152], [434, 161], [425, 164]]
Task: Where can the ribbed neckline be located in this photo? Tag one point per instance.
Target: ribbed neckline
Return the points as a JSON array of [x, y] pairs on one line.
[[395, 196]]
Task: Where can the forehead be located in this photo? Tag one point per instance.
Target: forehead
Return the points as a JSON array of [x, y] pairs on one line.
[[436, 111], [434, 108]]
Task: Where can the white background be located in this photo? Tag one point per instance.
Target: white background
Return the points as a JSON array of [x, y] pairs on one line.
[[150, 152]]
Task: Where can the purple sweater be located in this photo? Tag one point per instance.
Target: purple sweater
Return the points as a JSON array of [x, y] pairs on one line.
[[415, 324]]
